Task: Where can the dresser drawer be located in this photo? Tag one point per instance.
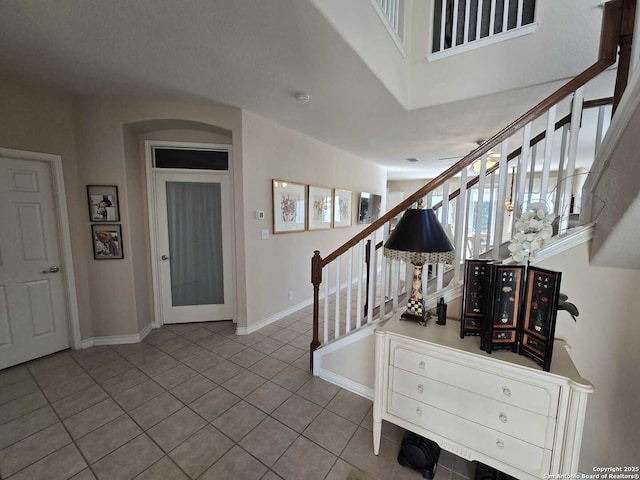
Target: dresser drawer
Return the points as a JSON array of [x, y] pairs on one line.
[[497, 445], [523, 424], [540, 399]]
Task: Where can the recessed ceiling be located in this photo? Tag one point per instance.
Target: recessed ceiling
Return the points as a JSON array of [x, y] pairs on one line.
[[253, 54]]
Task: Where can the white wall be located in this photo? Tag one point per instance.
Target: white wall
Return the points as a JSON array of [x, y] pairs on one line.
[[604, 344], [282, 263], [565, 43]]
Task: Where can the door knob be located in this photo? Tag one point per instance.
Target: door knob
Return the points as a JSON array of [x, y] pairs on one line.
[[53, 269], [164, 257]]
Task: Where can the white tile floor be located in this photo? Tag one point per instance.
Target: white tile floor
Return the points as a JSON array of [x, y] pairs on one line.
[[193, 401]]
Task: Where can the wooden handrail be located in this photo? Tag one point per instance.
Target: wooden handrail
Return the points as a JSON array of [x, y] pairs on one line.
[[607, 56], [600, 102], [610, 39]]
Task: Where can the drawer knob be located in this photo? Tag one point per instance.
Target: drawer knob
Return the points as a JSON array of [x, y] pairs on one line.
[[499, 443], [503, 418], [420, 388], [421, 365], [506, 391], [419, 411]]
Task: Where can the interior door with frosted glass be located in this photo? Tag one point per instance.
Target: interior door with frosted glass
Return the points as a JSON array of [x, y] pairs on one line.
[[194, 247]]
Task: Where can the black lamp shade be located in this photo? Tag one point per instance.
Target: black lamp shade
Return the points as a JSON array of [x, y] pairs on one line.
[[420, 235]]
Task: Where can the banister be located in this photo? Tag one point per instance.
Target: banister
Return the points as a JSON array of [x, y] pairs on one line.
[[599, 102], [609, 37]]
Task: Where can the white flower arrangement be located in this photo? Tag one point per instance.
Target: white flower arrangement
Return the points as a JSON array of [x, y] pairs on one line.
[[532, 230]]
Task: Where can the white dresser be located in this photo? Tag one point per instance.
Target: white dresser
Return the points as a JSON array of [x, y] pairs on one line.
[[500, 409]]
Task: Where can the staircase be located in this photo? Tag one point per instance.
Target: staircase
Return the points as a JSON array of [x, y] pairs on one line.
[[477, 201]]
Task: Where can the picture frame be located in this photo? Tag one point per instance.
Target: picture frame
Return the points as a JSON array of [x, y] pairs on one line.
[[104, 205], [289, 206], [320, 207], [107, 242], [503, 313], [342, 208], [369, 207], [540, 309], [476, 286]]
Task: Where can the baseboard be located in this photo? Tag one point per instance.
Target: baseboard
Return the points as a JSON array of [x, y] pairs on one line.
[[273, 318], [284, 313], [347, 384], [118, 339]]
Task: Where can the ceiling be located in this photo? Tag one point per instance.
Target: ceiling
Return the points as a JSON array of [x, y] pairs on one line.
[[252, 54]]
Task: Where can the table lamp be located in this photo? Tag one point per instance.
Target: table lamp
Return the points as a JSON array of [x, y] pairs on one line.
[[418, 238]]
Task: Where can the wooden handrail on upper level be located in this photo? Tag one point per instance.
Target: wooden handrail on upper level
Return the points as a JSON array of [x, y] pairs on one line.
[[610, 38], [600, 102]]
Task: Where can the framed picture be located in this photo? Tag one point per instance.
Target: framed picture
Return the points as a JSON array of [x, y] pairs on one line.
[[503, 309], [369, 206], [540, 309], [103, 203], [475, 293], [320, 207], [107, 242], [342, 215], [289, 206]]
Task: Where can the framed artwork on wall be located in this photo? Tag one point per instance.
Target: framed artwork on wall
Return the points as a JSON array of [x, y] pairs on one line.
[[103, 203], [107, 242], [320, 207], [342, 214], [289, 206], [538, 326], [369, 206]]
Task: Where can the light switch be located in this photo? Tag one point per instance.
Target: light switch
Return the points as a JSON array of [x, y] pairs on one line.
[[265, 233]]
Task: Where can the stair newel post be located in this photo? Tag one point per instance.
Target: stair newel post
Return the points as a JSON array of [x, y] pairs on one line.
[[316, 280], [625, 41]]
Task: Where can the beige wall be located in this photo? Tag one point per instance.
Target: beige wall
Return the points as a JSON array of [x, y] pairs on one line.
[[604, 344], [108, 136], [41, 120], [101, 142], [282, 263]]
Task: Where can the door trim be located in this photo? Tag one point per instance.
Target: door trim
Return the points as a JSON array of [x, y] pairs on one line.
[[57, 176], [151, 203]]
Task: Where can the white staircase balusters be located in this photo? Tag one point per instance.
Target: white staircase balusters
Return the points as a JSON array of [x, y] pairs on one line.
[[459, 241], [500, 203], [519, 16], [576, 120], [325, 274], [349, 290], [522, 169], [360, 279], [532, 174], [548, 149], [477, 239], [561, 168]]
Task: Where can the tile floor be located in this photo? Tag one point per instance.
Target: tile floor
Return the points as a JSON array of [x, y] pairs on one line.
[[193, 401]]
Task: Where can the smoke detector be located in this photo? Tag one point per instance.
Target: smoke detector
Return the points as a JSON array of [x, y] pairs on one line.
[[303, 98]]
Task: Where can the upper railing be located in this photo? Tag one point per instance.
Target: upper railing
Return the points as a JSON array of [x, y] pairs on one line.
[[460, 25], [475, 215]]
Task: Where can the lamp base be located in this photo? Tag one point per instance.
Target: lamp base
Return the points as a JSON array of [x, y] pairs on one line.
[[416, 312]]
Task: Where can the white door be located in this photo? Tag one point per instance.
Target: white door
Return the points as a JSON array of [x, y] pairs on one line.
[[33, 314], [194, 246]]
